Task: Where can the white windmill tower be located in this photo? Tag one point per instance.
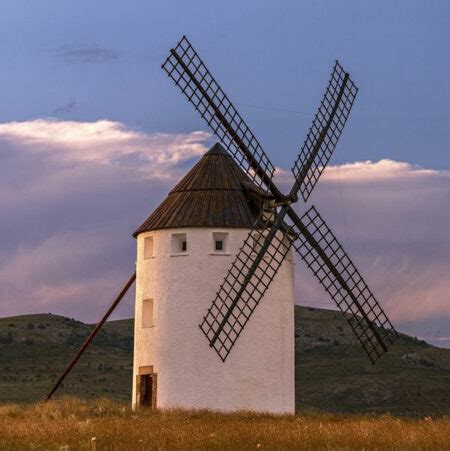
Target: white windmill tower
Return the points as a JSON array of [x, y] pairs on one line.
[[183, 251], [225, 234]]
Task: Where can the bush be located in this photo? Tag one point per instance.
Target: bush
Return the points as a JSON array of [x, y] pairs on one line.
[[6, 339]]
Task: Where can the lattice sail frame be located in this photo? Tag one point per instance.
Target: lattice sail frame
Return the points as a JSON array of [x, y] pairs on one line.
[[187, 70], [362, 311], [222, 332], [195, 81], [326, 129]]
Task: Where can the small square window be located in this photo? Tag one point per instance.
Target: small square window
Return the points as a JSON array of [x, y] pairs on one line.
[[220, 242], [179, 244]]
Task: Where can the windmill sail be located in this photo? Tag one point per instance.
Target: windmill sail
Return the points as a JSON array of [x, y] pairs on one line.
[[195, 81], [249, 277], [239, 294], [325, 131], [321, 251]]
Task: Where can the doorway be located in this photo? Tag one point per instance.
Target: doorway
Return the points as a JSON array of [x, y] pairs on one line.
[[146, 388]]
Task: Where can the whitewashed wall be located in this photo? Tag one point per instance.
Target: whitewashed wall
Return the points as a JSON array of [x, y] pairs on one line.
[[259, 372]]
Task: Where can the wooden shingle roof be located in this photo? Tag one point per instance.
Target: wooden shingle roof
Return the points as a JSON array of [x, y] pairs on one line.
[[211, 194]]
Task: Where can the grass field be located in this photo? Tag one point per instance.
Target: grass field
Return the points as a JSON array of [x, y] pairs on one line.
[[70, 423], [332, 372]]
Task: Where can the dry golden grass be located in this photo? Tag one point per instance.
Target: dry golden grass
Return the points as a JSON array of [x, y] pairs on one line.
[[74, 424]]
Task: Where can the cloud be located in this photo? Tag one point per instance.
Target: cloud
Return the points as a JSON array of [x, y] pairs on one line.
[[393, 219], [368, 171], [104, 142], [87, 54], [71, 194], [365, 171], [66, 108]]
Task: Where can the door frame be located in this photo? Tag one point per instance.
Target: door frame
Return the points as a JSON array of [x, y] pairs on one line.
[[146, 371]]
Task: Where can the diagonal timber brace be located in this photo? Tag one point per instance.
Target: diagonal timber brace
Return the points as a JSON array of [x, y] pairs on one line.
[[92, 335]]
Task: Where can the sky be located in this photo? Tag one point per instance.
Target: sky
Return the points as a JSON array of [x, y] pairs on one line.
[[93, 135]]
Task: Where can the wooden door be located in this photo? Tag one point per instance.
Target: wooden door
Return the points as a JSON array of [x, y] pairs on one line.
[[146, 390]]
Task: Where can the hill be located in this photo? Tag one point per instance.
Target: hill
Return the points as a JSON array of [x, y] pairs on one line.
[[332, 372]]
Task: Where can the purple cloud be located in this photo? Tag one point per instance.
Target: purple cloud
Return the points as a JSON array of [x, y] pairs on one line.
[[71, 193], [87, 54], [71, 199]]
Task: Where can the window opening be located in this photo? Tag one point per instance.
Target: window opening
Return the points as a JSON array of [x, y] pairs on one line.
[[147, 313], [148, 247], [179, 244], [220, 241]]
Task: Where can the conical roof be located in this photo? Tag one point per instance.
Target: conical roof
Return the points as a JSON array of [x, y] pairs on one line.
[[211, 194]]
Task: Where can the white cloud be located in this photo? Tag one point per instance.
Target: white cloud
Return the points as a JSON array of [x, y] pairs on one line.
[[364, 171], [104, 142]]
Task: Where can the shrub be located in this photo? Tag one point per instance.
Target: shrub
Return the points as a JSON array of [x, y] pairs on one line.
[[6, 339]]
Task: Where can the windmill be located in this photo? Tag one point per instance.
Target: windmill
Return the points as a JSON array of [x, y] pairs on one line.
[[230, 200]]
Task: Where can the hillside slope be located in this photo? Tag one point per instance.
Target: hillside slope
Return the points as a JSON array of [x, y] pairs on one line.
[[332, 371], [35, 349], [334, 374]]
